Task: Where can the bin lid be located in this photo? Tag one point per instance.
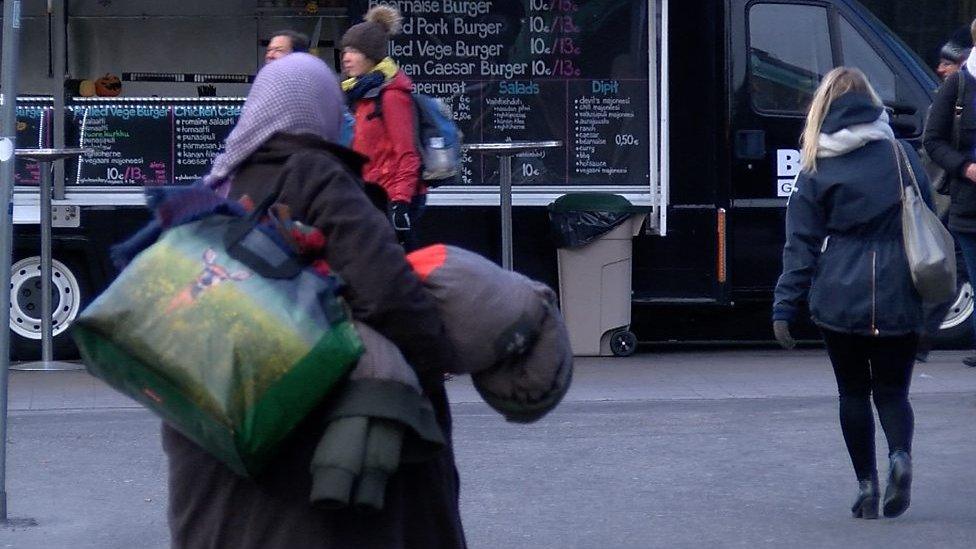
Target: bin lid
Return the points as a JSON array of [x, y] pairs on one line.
[[595, 201]]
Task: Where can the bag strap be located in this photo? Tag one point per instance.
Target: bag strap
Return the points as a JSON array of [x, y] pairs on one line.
[[901, 158], [377, 103], [901, 181], [377, 108], [957, 112], [246, 242], [261, 209]]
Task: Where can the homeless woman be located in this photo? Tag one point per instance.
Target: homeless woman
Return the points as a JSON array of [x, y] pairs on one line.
[[845, 256], [283, 143]]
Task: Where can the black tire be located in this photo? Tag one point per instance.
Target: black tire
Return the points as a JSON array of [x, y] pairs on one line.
[[956, 331], [72, 290], [623, 343]]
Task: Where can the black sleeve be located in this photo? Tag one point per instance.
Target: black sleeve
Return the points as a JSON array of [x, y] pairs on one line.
[[805, 232], [938, 128], [383, 289]]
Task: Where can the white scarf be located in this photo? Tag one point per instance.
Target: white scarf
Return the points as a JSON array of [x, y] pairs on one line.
[[970, 63], [853, 137]]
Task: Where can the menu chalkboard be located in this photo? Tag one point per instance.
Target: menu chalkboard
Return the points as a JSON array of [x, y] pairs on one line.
[[200, 131], [536, 70], [31, 134], [521, 70], [149, 142], [609, 132], [129, 144]]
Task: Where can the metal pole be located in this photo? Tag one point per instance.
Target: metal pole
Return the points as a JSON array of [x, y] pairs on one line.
[[60, 73], [505, 150], [47, 334], [8, 137], [505, 194]]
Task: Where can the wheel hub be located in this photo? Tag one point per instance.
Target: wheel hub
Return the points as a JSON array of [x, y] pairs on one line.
[[25, 303], [961, 309]]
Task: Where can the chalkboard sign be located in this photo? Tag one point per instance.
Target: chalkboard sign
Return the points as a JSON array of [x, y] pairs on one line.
[[199, 133], [609, 135], [130, 144], [149, 142], [31, 134], [536, 70]]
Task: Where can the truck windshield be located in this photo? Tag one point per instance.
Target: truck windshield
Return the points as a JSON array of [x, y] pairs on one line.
[[919, 69]]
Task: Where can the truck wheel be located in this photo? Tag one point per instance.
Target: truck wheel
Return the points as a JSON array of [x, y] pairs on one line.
[[957, 328], [70, 286], [623, 343]]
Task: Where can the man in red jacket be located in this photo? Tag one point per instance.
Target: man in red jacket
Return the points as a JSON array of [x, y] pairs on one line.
[[378, 93]]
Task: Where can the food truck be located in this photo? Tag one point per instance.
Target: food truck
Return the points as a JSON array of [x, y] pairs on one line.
[[692, 109]]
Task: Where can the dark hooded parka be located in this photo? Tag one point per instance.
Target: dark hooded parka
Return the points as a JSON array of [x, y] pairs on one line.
[[844, 252]]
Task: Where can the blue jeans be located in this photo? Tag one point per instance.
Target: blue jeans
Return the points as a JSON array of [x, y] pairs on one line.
[[967, 244]]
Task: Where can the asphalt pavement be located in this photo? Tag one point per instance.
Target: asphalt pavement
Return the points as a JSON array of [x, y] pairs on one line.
[[735, 448]]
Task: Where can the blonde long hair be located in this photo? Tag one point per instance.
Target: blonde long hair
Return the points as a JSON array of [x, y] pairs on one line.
[[835, 84]]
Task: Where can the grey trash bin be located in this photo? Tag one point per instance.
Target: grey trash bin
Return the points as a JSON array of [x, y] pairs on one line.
[[594, 232]]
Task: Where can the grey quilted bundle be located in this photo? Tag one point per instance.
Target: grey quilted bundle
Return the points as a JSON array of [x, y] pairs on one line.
[[506, 328]]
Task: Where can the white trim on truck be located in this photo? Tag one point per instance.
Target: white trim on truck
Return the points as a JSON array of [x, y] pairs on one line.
[[660, 128]]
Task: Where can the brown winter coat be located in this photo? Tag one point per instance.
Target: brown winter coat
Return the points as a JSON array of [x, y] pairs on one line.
[[210, 506]]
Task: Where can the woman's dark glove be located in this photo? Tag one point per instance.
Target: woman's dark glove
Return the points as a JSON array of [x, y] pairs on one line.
[[400, 215], [781, 329]]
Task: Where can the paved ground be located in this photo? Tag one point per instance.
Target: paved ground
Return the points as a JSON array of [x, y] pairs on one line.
[[665, 449]]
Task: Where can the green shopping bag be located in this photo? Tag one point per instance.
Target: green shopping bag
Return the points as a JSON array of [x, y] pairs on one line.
[[219, 330]]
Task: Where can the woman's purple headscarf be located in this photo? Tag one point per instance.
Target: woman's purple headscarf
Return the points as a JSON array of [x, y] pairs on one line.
[[296, 94]]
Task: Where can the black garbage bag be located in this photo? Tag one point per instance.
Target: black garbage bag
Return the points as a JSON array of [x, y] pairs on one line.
[[576, 219]]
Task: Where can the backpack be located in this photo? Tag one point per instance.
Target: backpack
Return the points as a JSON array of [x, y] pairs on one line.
[[437, 138]]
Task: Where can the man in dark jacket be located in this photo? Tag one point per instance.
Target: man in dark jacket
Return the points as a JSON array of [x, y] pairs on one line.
[[959, 162], [951, 58]]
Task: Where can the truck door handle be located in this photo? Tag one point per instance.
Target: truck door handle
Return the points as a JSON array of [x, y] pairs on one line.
[[750, 144]]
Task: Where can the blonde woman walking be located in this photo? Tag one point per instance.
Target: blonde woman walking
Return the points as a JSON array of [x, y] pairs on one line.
[[844, 255]]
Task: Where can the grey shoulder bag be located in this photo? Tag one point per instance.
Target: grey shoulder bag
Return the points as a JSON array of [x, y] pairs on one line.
[[928, 245]]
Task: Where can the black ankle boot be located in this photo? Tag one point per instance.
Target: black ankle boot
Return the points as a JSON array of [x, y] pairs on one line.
[[898, 493], [866, 504]]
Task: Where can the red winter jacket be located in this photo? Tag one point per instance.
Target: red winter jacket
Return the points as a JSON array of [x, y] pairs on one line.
[[388, 140]]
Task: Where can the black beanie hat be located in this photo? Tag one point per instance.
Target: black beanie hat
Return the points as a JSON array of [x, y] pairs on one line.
[[954, 52], [372, 36]]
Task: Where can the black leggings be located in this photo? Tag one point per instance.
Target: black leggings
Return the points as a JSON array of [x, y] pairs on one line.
[[883, 366]]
